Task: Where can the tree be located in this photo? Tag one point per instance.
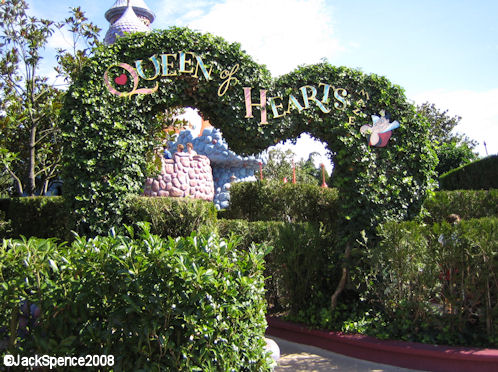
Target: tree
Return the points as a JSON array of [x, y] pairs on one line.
[[452, 149], [279, 166], [30, 146]]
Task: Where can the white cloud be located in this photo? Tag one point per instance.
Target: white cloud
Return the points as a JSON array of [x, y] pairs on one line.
[[61, 38], [281, 34], [478, 109]]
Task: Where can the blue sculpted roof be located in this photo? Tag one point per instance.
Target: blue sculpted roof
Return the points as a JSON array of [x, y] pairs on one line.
[[212, 144]]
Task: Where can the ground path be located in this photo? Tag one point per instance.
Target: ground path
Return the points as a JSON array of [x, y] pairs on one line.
[[303, 358]]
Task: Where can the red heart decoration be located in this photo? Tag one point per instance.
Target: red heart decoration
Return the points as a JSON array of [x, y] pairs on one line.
[[121, 79]]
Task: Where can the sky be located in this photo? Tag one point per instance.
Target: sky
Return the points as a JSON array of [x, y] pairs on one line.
[[439, 51]]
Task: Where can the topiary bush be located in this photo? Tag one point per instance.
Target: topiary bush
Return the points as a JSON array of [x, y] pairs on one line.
[[38, 216], [466, 203], [274, 201], [480, 174], [193, 303], [171, 216]]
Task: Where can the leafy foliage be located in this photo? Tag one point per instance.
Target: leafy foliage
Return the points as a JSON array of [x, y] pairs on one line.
[[280, 164], [85, 37], [453, 149], [30, 145], [452, 155], [171, 216], [270, 201], [38, 216], [480, 174], [302, 267], [46, 216], [193, 303], [437, 283], [105, 135], [466, 203]]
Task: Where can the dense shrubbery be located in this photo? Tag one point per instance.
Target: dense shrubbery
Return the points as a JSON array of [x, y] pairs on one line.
[[171, 216], [480, 174], [47, 217], [266, 201], [192, 304], [466, 203], [436, 284], [301, 268], [406, 284], [39, 216]]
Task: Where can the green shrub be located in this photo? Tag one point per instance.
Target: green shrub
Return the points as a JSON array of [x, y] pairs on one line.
[[190, 304], [4, 224], [466, 203], [259, 232], [436, 284], [307, 263], [272, 201], [300, 270], [480, 174], [171, 216], [39, 216]]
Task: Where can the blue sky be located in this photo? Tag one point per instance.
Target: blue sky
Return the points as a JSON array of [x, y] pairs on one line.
[[442, 51]]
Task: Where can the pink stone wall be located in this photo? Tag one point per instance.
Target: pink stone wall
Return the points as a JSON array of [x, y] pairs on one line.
[[183, 176]]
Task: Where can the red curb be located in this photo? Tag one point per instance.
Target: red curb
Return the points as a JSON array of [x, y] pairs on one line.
[[398, 353]]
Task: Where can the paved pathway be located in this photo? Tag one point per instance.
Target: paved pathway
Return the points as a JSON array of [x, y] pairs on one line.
[[303, 358]]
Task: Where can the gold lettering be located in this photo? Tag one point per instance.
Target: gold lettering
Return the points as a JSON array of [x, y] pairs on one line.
[[186, 62], [200, 63], [307, 99], [167, 64], [326, 90], [228, 76], [293, 102], [275, 107], [339, 95]]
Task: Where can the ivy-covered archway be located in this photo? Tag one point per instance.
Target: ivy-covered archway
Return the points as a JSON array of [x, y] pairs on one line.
[[382, 170]]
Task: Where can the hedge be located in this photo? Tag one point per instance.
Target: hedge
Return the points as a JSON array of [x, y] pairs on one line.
[[46, 217], [193, 303], [171, 216], [38, 216], [480, 174], [272, 201], [466, 203]]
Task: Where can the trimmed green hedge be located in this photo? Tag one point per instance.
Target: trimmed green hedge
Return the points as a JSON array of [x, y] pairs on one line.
[[39, 216], [272, 201], [46, 217], [480, 174], [466, 203], [171, 216], [190, 304]]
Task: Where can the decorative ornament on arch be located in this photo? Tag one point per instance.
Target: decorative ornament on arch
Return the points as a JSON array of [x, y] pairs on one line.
[[379, 133]]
